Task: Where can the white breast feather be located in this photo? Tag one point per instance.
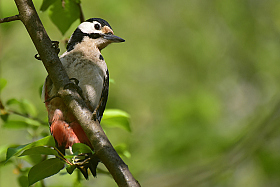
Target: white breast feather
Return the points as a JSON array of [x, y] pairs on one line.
[[83, 63]]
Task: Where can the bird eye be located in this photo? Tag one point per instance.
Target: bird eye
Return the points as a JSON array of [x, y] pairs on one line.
[[97, 26]]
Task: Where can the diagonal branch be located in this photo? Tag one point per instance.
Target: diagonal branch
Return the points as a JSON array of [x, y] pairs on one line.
[[9, 19], [82, 18], [71, 98]]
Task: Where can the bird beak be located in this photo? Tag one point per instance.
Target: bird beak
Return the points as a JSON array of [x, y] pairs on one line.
[[113, 38]]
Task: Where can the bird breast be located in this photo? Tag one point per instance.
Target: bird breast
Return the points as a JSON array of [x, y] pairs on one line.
[[89, 70]]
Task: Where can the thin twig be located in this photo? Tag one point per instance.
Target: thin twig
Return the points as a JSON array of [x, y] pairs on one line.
[[62, 156], [9, 19], [4, 111], [27, 116], [82, 18]]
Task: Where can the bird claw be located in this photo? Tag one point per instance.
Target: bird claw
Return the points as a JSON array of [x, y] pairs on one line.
[[55, 45], [37, 57], [76, 81], [85, 162], [75, 85], [49, 99], [94, 115]]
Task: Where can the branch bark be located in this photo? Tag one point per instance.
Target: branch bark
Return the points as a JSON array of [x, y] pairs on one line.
[[102, 146], [8, 19]]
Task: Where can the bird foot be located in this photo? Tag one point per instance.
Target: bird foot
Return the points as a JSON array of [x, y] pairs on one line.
[[75, 85], [87, 161], [55, 45], [49, 99], [94, 115]]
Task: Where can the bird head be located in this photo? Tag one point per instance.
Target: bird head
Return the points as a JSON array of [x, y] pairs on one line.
[[96, 29]]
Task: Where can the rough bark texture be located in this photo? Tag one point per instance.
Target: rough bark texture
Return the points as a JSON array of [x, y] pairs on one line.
[[92, 128]]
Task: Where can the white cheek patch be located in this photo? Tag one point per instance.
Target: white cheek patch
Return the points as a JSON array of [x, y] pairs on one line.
[[88, 27]]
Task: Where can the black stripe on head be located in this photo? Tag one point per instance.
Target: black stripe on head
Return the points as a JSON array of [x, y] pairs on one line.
[[94, 35], [78, 36], [101, 21]]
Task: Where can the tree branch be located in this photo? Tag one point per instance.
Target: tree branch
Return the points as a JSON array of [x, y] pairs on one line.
[[9, 19], [82, 18], [71, 98]]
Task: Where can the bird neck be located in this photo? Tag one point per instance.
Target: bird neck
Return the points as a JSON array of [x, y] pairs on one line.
[[88, 48]]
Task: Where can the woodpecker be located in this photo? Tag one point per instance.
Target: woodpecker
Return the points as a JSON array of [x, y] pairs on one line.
[[84, 63]]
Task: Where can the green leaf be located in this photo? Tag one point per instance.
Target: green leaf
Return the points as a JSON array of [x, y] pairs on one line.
[[32, 122], [116, 118], [12, 101], [122, 150], [3, 149], [45, 169], [4, 117], [4, 163], [23, 181], [13, 124], [70, 169], [81, 148], [63, 17], [17, 124], [11, 151], [47, 141], [46, 3], [27, 107], [39, 150], [70, 156], [3, 83], [32, 159]]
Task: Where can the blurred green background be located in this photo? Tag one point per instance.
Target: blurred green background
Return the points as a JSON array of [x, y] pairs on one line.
[[200, 79]]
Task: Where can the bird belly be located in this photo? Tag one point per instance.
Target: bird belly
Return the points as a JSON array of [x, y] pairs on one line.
[[91, 78], [63, 124]]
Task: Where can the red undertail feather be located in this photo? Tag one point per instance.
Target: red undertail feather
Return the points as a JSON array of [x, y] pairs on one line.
[[67, 134]]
